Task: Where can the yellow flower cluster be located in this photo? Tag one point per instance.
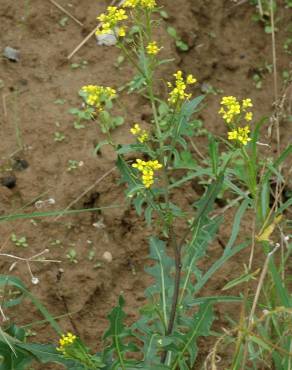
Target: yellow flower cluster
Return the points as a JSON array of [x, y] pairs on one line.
[[232, 111], [65, 341], [142, 135], [148, 4], [147, 169], [232, 106], [178, 91], [152, 48], [110, 20], [97, 95], [240, 135]]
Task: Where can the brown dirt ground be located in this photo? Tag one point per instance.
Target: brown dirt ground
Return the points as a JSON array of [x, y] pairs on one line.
[[226, 47]]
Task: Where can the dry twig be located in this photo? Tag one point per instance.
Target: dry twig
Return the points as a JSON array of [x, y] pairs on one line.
[[85, 192], [66, 12]]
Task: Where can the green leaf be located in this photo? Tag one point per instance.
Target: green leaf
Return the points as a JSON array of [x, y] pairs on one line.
[[172, 32], [100, 145], [127, 173], [161, 271], [190, 107], [241, 279], [129, 148], [265, 200], [115, 334], [185, 161], [215, 299], [218, 264], [47, 353], [236, 224], [6, 280], [118, 121], [277, 163], [254, 139], [206, 203], [200, 325], [260, 342], [181, 45], [203, 234], [282, 292], [9, 361], [284, 206], [18, 216], [214, 154]]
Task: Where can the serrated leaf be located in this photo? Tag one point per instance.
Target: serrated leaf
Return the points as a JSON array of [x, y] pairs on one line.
[[115, 334], [127, 173], [161, 271], [201, 324]]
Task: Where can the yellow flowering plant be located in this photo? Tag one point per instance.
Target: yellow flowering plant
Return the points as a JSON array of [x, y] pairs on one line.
[[158, 162]]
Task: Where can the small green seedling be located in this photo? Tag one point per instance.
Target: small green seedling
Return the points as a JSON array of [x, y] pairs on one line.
[[77, 125], [72, 255], [60, 101], [19, 242], [91, 254], [59, 137], [73, 165], [83, 64], [288, 46], [63, 21], [181, 45], [56, 243]]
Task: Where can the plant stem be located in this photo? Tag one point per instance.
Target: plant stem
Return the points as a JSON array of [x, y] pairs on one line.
[[178, 267]]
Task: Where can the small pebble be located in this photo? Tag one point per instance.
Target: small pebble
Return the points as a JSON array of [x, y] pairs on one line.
[[12, 54], [107, 39], [35, 280], [107, 256]]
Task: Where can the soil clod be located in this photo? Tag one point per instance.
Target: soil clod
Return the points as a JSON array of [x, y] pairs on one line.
[[20, 164], [8, 181]]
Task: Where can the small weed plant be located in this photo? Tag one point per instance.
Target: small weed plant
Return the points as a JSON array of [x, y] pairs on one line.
[[157, 164]]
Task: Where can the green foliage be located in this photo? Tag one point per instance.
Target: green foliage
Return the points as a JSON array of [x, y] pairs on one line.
[[180, 44], [19, 241], [152, 171]]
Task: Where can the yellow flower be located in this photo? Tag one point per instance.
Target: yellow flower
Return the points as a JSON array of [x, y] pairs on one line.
[[142, 135], [122, 32], [233, 113], [152, 48], [246, 103], [131, 3], [248, 116], [96, 96], [191, 80], [136, 129], [110, 20], [66, 341], [178, 92], [147, 169], [233, 109], [232, 135], [240, 135], [147, 4]]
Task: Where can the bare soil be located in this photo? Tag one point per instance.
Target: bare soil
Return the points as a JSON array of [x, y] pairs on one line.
[[226, 49]]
